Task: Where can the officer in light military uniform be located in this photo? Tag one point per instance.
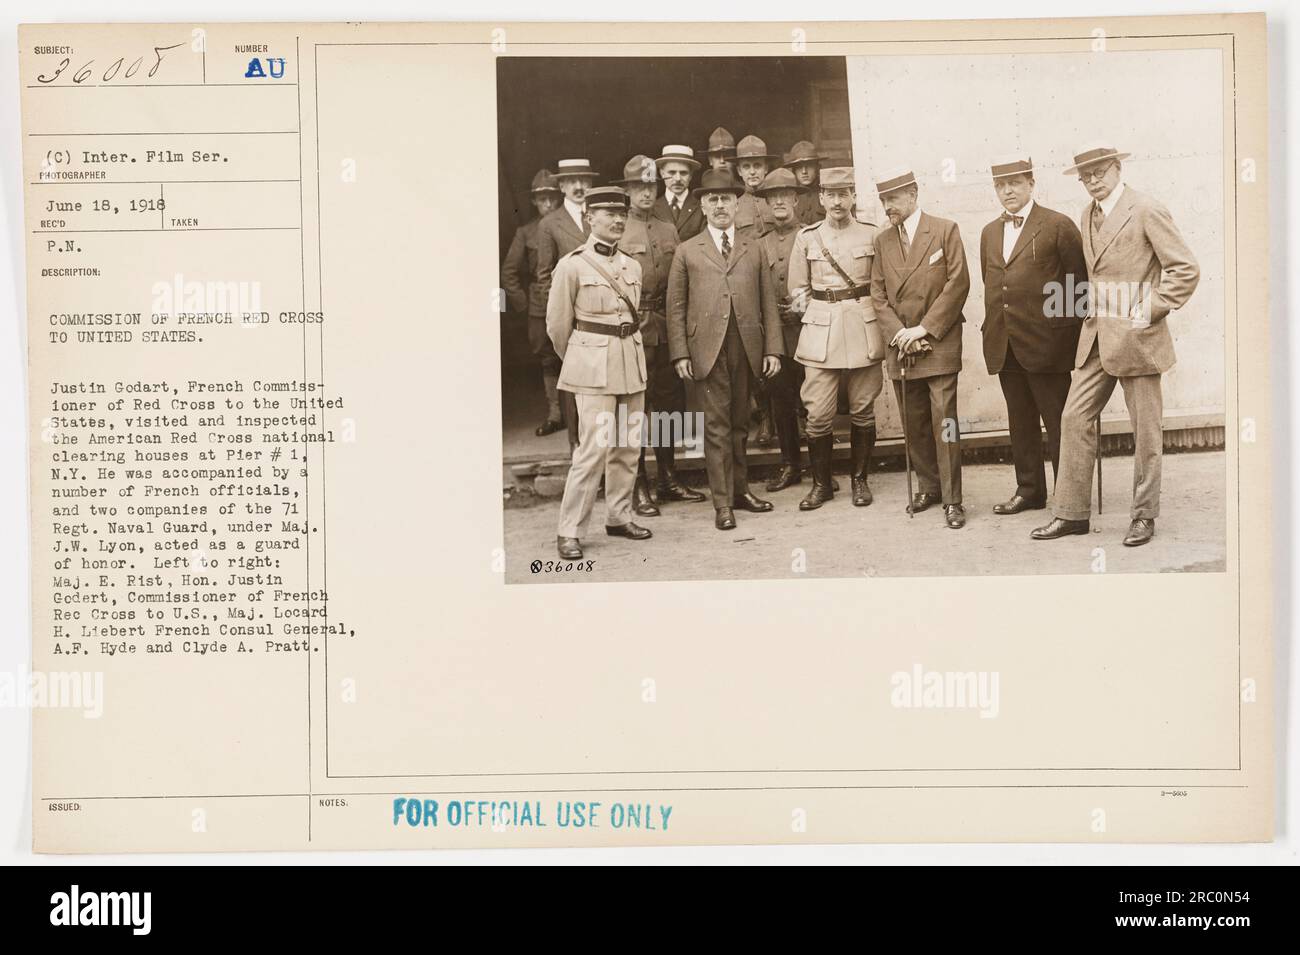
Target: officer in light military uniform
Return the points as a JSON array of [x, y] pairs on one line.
[[830, 284], [591, 317], [651, 242], [525, 294]]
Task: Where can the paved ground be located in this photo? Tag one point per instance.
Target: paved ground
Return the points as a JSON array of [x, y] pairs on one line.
[[840, 540]]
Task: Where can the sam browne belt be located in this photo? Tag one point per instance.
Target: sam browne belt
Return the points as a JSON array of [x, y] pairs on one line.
[[600, 328], [840, 294]]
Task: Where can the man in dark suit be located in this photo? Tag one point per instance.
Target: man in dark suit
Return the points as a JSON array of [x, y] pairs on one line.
[[1031, 257], [518, 279], [723, 330], [919, 283], [1140, 270], [559, 233], [677, 206]]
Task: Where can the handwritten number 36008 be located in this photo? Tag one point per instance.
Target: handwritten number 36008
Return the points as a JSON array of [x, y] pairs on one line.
[[86, 71]]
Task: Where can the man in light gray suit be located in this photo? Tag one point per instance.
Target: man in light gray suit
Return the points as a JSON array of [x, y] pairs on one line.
[[1139, 270], [724, 330]]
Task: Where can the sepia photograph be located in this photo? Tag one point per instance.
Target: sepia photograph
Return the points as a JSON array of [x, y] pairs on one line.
[[863, 315]]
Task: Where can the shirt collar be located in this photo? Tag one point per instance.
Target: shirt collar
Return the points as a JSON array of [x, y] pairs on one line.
[[574, 209], [1023, 213], [717, 235], [912, 223], [1110, 202]]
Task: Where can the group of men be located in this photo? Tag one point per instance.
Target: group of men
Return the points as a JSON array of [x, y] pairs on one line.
[[767, 270]]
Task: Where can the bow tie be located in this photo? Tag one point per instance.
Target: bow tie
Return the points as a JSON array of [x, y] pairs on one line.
[[605, 250], [1018, 220]]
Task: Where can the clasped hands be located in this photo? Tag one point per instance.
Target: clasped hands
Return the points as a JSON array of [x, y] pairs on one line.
[[911, 341]]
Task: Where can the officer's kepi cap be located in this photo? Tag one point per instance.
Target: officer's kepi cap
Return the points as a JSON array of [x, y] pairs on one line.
[[607, 197]]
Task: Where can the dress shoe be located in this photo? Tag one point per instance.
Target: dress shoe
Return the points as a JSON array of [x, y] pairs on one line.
[[568, 548], [629, 530], [823, 487], [643, 505], [748, 502], [1018, 504], [1140, 531], [1059, 528], [724, 520], [788, 476], [668, 488], [955, 516], [548, 426], [922, 501]]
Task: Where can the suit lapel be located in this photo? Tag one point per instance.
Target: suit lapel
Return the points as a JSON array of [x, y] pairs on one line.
[[921, 243], [737, 251], [1116, 221], [996, 235], [711, 251], [1030, 229]]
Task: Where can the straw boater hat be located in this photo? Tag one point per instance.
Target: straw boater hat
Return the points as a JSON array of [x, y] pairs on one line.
[[683, 154], [751, 147], [639, 171], [721, 141], [779, 179], [1011, 165], [718, 180], [607, 197], [575, 168], [1094, 153], [544, 181], [891, 181], [802, 152]]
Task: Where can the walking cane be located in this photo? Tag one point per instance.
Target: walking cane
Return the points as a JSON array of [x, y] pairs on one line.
[[1099, 463], [904, 362]]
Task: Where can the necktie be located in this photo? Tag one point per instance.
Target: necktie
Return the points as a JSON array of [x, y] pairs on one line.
[[726, 247], [677, 207], [1098, 217], [1018, 220], [902, 237]]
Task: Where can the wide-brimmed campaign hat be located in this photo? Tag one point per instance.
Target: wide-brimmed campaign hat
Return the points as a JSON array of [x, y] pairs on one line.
[[684, 154], [576, 168], [837, 177], [801, 152], [891, 181], [721, 141], [1094, 153], [1011, 165], [718, 180], [751, 147], [607, 197], [544, 181], [639, 171], [779, 179]]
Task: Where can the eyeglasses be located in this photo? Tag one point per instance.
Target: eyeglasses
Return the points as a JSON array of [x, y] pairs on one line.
[[1095, 175]]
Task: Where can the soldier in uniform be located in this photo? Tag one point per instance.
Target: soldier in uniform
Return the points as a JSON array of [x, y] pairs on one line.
[[591, 319], [840, 339], [805, 163], [525, 296], [651, 242], [559, 233], [722, 149], [752, 164], [677, 206], [919, 283], [781, 193]]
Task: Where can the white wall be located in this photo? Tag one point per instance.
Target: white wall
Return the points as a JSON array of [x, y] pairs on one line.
[[947, 117]]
